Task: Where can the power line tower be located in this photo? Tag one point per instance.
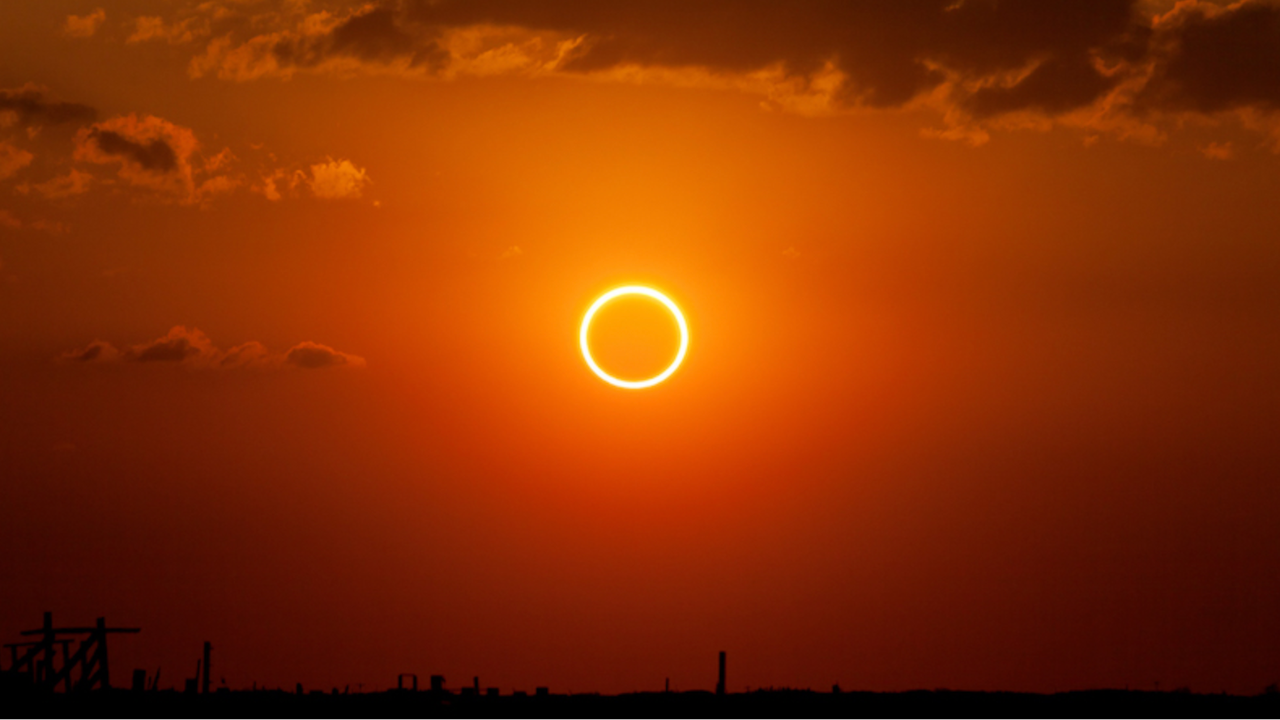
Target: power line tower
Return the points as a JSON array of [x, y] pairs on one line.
[[39, 659]]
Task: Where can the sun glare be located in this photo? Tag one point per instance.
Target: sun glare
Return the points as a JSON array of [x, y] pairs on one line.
[[617, 293]]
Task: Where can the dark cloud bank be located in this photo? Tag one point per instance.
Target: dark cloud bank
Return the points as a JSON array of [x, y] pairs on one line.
[[994, 56], [989, 58]]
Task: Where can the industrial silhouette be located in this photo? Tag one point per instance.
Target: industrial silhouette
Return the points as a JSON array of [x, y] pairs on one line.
[[39, 659], [77, 681]]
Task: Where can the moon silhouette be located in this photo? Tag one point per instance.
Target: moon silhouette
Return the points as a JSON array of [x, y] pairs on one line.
[[617, 293]]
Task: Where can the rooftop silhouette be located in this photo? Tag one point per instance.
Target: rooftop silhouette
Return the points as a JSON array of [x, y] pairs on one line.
[[50, 677]]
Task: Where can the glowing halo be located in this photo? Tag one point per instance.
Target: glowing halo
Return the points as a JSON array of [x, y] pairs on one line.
[[633, 290]]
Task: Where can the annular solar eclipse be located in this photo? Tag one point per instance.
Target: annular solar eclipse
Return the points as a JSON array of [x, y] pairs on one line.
[[617, 293]]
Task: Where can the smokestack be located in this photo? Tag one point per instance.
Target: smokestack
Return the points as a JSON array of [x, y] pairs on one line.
[[720, 685], [204, 679]]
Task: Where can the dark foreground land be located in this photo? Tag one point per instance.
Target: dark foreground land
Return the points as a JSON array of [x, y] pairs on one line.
[[764, 703]]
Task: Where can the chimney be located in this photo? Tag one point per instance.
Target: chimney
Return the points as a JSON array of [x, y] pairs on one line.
[[720, 684], [204, 679]]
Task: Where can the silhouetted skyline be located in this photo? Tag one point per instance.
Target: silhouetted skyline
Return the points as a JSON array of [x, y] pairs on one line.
[[976, 323]]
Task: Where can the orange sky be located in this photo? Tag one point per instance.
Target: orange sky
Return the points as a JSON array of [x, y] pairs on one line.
[[981, 389]]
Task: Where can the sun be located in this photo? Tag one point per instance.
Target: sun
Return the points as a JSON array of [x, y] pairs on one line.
[[646, 292]]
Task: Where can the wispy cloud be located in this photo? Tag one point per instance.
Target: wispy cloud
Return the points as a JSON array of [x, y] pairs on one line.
[[83, 26], [12, 159], [191, 348]]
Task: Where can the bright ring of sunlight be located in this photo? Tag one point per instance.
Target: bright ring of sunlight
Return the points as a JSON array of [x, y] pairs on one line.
[[633, 290]]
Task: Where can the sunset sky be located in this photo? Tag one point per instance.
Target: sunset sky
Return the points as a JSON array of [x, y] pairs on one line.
[[983, 380]]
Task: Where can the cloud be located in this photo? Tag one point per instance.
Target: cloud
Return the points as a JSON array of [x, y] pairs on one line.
[[63, 186], [83, 26], [217, 185], [1218, 151], [155, 155], [191, 348], [511, 253], [52, 227], [1054, 86], [1214, 58], [165, 160], [250, 354], [337, 179], [313, 356], [30, 107], [360, 38], [328, 180], [12, 222], [97, 351], [270, 187], [180, 345], [880, 51], [152, 153], [150, 28], [12, 159], [1104, 66]]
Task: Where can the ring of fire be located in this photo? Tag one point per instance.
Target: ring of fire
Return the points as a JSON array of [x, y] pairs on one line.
[[633, 290]]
